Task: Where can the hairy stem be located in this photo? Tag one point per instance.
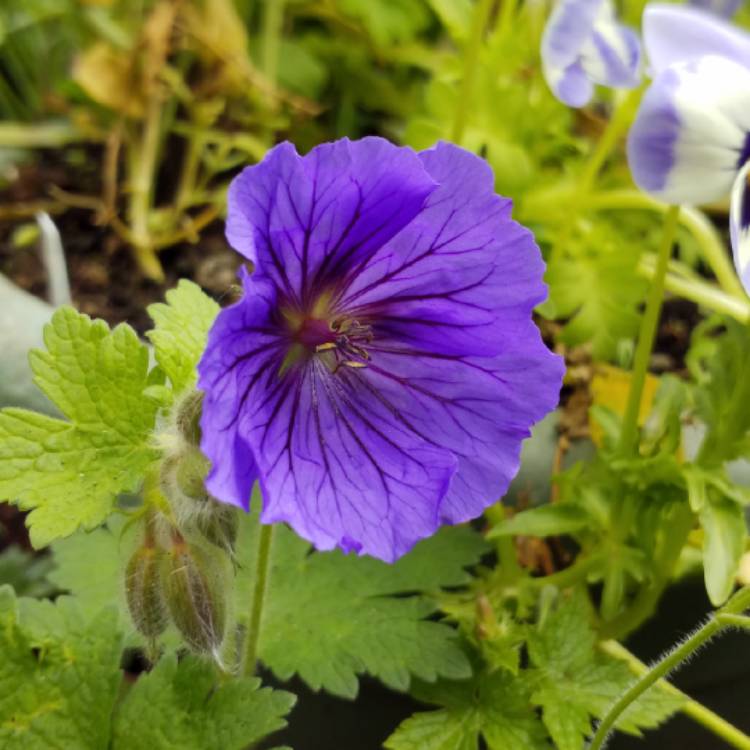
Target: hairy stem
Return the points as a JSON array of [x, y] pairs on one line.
[[250, 650], [479, 21], [692, 708], [647, 334], [736, 605]]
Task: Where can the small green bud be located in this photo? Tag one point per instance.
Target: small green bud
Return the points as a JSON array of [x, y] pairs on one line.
[[190, 471], [143, 591], [195, 595], [220, 526], [188, 418]]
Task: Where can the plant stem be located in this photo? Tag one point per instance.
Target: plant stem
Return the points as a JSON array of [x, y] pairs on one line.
[[647, 334], [273, 21], [696, 711], [250, 651], [698, 291], [471, 60], [737, 604], [694, 220], [141, 190], [616, 127]]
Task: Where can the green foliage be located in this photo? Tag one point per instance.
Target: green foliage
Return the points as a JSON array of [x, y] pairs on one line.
[[573, 681], [329, 617], [27, 574], [599, 293], [492, 706], [180, 332], [69, 472], [59, 675], [180, 706]]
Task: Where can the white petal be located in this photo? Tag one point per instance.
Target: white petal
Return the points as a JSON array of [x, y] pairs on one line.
[[691, 132], [673, 34]]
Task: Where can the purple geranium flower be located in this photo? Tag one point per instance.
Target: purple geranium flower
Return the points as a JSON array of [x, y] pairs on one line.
[[584, 44], [690, 142], [382, 368]]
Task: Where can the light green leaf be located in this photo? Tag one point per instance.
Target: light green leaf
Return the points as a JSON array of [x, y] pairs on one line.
[[59, 675], [545, 520], [329, 617], [495, 707], [599, 293], [179, 706], [574, 681], [180, 332], [69, 473], [724, 531], [90, 566]]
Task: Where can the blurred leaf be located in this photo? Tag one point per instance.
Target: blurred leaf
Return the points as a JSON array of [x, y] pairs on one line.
[[388, 21], [108, 76], [599, 294], [725, 531], [546, 520], [25, 572]]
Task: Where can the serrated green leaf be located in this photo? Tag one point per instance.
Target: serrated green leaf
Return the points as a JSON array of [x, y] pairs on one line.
[[329, 617], [59, 675], [178, 706], [574, 681], [90, 566], [725, 530], [69, 473], [495, 707], [545, 520], [180, 332]]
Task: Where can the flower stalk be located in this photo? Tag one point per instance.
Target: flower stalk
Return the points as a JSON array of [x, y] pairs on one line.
[[699, 713], [736, 605], [479, 22], [252, 637], [647, 333]]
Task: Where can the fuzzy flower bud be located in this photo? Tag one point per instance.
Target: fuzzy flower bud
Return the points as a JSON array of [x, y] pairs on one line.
[[143, 591], [195, 595]]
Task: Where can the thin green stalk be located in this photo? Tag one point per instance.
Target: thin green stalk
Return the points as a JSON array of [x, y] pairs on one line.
[[273, 21], [647, 334], [696, 711], [507, 12], [479, 21], [695, 221], [737, 604], [698, 291], [616, 128], [141, 190], [734, 621], [250, 650], [571, 575]]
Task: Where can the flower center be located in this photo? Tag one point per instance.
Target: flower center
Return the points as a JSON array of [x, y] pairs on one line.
[[336, 342]]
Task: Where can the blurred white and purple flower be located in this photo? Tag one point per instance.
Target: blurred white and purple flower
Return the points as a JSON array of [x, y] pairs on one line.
[[690, 142], [584, 44]]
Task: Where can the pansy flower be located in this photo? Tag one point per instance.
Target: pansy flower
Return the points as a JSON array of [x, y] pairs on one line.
[[690, 142], [725, 8], [382, 368], [584, 44]]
